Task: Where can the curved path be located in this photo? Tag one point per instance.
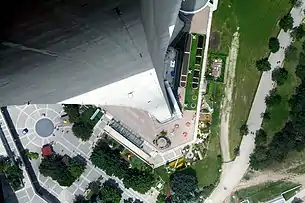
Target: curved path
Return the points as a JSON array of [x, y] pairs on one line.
[[233, 172]]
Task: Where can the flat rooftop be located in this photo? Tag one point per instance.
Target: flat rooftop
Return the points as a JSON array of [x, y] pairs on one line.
[[140, 122]]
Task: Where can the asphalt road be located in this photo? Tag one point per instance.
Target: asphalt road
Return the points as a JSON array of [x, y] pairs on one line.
[[233, 172]]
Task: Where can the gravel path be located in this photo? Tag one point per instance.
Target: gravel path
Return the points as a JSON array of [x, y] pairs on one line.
[[226, 105]]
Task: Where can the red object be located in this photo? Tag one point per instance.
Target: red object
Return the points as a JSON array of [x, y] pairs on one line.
[[185, 134], [46, 150]]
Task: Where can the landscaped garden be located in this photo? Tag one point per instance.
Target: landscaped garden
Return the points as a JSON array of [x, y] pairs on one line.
[[207, 168], [194, 72], [215, 67], [82, 118], [12, 172], [255, 31], [63, 169]]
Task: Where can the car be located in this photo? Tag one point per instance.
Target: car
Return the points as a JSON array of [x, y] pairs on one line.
[[25, 131]]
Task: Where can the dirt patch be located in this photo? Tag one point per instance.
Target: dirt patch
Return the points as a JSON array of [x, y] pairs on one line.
[[226, 105], [214, 40], [259, 177]]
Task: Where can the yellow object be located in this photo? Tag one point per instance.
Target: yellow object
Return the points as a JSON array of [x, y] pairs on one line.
[[65, 121]]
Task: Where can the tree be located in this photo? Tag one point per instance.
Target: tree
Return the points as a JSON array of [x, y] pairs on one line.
[[183, 186], [298, 32], [140, 181], [109, 160], [261, 137], [55, 168], [286, 22], [76, 167], [266, 115], [110, 192], [80, 199], [12, 172], [273, 99], [279, 75], [243, 130], [31, 155], [259, 158], [296, 3], [291, 53], [263, 64], [73, 112], [82, 130], [274, 44]]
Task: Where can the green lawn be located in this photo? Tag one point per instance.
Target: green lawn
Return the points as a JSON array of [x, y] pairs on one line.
[[287, 195], [265, 191], [280, 113], [191, 94], [257, 22], [86, 115], [208, 169]]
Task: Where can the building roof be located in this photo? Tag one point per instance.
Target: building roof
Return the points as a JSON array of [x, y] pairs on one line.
[[46, 150], [193, 6], [64, 49]]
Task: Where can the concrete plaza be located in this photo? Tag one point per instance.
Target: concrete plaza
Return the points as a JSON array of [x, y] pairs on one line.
[[64, 142]]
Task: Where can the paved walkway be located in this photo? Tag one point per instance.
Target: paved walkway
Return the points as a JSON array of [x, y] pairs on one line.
[[65, 142], [234, 171]]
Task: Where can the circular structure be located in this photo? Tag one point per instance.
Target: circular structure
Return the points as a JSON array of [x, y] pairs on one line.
[[188, 124], [44, 127], [162, 142], [193, 6], [193, 105], [190, 155]]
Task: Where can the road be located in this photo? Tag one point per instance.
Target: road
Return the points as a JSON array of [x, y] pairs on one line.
[[233, 172]]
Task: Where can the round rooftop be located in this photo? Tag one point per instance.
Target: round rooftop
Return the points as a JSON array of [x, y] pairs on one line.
[[193, 6], [44, 127]]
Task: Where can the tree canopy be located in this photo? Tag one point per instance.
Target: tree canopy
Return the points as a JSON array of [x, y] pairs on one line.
[[184, 186], [110, 192], [286, 22], [273, 99], [292, 136], [263, 64], [243, 130], [55, 168], [279, 75], [298, 32], [291, 53], [73, 112], [12, 172], [296, 3], [82, 130], [274, 44], [112, 163]]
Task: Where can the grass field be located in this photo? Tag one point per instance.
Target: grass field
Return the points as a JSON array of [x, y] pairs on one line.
[[257, 22], [208, 169], [264, 192]]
